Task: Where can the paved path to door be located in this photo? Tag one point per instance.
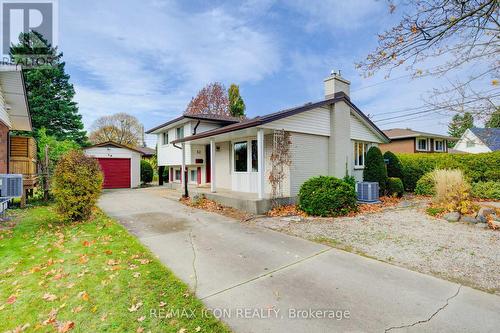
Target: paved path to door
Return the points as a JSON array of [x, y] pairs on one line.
[[249, 270]]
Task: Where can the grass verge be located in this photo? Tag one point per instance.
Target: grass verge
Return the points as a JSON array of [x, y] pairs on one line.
[[89, 277]]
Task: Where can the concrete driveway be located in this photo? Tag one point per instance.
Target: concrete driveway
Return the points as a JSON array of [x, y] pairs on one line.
[[259, 280]]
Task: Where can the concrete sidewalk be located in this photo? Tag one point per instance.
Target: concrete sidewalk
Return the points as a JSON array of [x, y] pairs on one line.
[[259, 280]]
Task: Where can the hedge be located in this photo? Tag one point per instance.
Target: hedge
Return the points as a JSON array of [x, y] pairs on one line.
[[146, 172], [395, 187], [476, 167], [375, 170]]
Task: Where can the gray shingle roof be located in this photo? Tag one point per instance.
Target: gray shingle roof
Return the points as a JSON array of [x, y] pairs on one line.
[[489, 136]]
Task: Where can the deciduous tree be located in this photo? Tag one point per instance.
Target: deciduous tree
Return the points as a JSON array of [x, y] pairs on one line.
[[456, 35], [494, 121], [236, 103], [460, 123], [121, 128], [212, 99]]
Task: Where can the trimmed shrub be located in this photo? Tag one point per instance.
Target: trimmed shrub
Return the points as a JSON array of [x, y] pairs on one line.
[[486, 190], [476, 167], [394, 167], [327, 196], [395, 187], [146, 172], [350, 180], [375, 170], [426, 185], [76, 185]]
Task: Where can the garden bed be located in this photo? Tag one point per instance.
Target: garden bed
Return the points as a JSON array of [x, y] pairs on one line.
[[406, 236], [92, 277]]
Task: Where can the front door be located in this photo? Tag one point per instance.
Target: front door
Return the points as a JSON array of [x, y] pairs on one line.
[[208, 162]]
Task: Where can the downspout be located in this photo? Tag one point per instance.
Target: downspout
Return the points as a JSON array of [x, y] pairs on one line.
[[186, 192], [195, 127]]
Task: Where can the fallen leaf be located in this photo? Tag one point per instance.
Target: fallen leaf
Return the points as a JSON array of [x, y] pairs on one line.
[[135, 307], [86, 243], [84, 295], [112, 262], [197, 329], [140, 330], [12, 299], [104, 317], [52, 317], [108, 252], [65, 327], [70, 285], [162, 304], [136, 274], [83, 259], [77, 309], [182, 330], [141, 318], [49, 297]]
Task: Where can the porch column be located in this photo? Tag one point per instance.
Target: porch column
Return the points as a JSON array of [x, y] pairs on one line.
[[212, 165], [260, 162], [183, 145]]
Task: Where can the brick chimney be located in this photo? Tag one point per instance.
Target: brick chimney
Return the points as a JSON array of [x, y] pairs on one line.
[[335, 83]]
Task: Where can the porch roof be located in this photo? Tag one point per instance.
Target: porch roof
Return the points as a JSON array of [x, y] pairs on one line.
[[257, 121]]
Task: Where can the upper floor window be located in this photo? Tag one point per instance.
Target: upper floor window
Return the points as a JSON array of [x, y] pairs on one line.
[[164, 138], [179, 132], [422, 144], [438, 145], [360, 150], [470, 143]]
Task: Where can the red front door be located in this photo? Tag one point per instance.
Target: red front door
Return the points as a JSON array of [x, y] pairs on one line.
[[116, 172], [199, 175]]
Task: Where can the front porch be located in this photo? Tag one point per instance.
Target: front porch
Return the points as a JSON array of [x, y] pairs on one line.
[[245, 201]]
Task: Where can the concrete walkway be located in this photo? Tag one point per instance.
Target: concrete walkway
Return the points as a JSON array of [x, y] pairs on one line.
[[259, 280]]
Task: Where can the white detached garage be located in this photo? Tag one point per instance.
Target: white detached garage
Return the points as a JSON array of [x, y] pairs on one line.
[[120, 164]]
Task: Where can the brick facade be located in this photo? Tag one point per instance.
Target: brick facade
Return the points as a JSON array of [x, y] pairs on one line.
[[4, 148]]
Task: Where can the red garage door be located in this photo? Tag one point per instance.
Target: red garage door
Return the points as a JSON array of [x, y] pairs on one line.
[[116, 172]]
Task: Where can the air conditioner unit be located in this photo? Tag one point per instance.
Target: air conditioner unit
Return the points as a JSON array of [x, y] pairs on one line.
[[367, 192], [11, 185]]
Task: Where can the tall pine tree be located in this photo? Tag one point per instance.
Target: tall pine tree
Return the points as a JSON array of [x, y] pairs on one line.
[[460, 123], [50, 95]]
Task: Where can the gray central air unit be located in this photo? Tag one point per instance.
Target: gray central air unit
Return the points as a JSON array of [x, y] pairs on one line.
[[367, 192], [11, 186]]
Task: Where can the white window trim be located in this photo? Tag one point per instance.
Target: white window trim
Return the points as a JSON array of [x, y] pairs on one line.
[[163, 138], [435, 146], [366, 146], [426, 144], [249, 155], [191, 181]]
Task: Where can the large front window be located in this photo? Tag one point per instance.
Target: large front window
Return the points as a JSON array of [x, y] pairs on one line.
[[360, 150], [422, 144], [246, 156], [439, 145], [240, 157]]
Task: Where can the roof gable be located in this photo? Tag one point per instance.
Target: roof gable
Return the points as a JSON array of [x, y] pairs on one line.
[[113, 144]]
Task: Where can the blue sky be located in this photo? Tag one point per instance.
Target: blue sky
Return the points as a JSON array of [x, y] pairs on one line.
[[150, 57]]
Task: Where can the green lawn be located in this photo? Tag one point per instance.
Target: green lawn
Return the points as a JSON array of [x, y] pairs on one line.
[[89, 277]]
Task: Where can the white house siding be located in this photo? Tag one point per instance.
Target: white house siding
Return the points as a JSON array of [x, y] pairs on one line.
[[4, 116], [268, 150], [204, 126], [361, 132], [115, 152], [479, 146], [309, 159], [316, 121], [222, 165]]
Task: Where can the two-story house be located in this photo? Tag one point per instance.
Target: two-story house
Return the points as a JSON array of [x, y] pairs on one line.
[[328, 137]]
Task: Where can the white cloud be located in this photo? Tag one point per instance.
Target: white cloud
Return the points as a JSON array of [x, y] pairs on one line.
[[149, 58]]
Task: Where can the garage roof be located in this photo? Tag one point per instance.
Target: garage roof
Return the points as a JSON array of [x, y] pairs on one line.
[[113, 144]]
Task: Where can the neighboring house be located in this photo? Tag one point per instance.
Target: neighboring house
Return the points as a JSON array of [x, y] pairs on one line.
[[147, 153], [479, 140], [329, 137], [405, 140], [121, 165], [17, 153]]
